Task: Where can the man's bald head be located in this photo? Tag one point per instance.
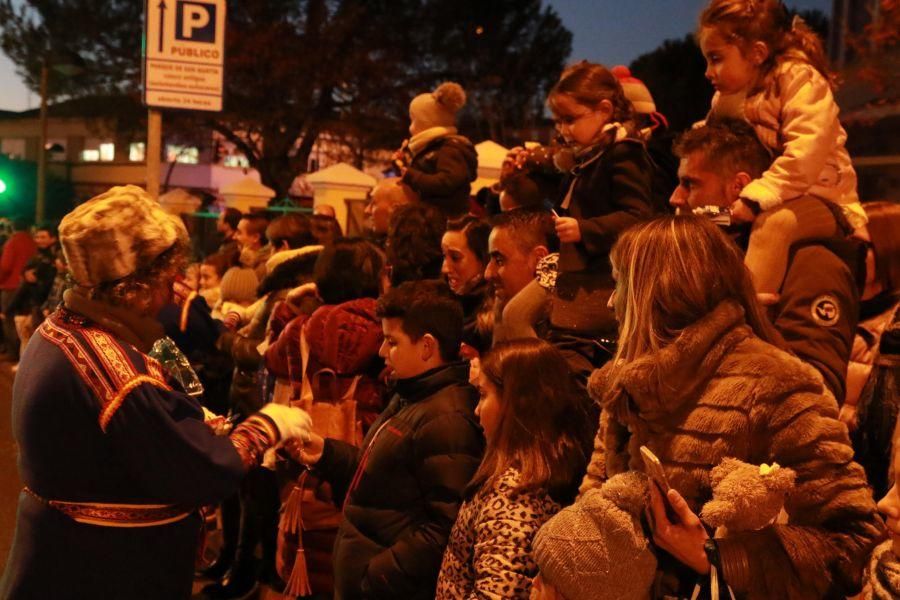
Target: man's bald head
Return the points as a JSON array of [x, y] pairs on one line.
[[384, 199]]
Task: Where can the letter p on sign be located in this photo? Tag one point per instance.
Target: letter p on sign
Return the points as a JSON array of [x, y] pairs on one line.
[[195, 21]]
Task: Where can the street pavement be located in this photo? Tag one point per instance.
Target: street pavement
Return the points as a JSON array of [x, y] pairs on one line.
[[9, 474]]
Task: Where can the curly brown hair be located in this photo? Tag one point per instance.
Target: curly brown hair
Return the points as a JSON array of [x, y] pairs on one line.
[[135, 291]]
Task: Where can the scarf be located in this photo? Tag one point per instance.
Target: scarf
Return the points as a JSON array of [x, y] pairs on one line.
[[420, 141], [139, 331], [574, 159], [883, 574]]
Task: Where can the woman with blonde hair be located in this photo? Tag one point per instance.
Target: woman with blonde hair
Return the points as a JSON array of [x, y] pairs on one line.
[[698, 376]]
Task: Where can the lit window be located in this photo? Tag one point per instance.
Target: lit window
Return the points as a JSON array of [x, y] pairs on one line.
[[13, 147], [90, 155], [236, 160], [182, 154], [107, 152], [137, 152]]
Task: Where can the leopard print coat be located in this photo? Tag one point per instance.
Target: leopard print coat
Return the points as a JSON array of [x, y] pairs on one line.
[[489, 553]]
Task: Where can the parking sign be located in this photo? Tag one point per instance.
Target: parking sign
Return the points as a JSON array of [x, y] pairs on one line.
[[184, 54]]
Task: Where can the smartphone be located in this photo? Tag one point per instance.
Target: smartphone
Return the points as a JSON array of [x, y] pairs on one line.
[[654, 470]]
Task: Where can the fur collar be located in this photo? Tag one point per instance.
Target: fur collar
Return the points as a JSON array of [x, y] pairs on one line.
[[662, 384], [288, 269]]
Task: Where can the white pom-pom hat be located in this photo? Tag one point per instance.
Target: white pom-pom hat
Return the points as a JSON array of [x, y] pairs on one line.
[[438, 108]]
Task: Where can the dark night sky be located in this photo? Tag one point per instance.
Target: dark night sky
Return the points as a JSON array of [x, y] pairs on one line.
[[607, 31]]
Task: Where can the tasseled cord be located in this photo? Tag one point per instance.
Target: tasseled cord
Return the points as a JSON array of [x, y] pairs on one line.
[[292, 522]]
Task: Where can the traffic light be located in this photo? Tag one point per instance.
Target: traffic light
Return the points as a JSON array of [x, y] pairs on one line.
[[3, 186]]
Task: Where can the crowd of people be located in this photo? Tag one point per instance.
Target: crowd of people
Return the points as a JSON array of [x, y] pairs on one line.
[[641, 369]]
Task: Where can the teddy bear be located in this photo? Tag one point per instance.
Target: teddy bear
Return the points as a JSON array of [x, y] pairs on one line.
[[746, 497]]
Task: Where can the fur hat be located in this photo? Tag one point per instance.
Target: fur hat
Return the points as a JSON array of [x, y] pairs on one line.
[[596, 548], [116, 233], [239, 285], [635, 91], [438, 108]]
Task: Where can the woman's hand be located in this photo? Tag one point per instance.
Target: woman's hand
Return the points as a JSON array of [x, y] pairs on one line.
[[684, 539], [567, 230]]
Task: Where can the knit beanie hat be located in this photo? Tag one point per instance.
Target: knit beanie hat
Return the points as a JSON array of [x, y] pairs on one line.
[[239, 285], [596, 548], [438, 108], [115, 234], [635, 90]]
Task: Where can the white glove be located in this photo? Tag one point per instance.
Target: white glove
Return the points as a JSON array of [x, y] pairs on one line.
[[291, 422]]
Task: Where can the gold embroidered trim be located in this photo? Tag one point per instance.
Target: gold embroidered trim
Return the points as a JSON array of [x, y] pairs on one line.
[[116, 515], [113, 405], [185, 310], [111, 355]]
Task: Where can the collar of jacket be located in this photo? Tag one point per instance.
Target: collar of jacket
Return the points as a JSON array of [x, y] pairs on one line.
[[140, 332], [422, 386], [421, 140], [658, 385]]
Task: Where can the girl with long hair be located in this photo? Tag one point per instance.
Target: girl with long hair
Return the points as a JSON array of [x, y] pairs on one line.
[[697, 377], [535, 428], [771, 70]]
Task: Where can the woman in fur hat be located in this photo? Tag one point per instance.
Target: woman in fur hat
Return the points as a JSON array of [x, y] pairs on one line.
[[698, 377], [436, 162], [115, 458]]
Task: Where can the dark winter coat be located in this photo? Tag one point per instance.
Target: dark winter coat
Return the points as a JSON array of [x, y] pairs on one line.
[[610, 192], [442, 173], [402, 490], [718, 391], [818, 307], [31, 295]]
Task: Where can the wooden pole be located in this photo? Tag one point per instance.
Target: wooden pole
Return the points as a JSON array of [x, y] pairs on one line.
[[154, 150]]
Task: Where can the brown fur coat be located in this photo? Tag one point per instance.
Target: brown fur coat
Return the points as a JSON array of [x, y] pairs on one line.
[[718, 391]]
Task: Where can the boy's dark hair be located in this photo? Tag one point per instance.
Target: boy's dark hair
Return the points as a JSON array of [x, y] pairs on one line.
[[218, 261], [348, 269], [414, 243], [257, 224], [530, 227], [291, 228], [49, 228], [232, 216], [426, 307], [728, 145]]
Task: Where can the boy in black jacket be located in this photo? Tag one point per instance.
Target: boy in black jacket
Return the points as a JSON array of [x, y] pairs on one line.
[[402, 489]]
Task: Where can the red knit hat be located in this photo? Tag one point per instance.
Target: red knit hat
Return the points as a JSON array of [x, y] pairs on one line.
[[635, 90]]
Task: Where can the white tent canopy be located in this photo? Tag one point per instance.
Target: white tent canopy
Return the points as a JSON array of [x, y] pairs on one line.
[[490, 160]]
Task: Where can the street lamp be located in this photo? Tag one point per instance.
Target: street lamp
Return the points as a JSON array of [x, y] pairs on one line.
[[67, 65]]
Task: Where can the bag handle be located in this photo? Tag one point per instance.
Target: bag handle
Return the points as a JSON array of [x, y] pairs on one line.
[[306, 393]]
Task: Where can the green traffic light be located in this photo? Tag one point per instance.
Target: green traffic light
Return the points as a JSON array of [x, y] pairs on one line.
[[2, 187]]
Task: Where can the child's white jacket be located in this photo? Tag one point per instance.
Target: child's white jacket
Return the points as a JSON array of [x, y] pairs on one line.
[[796, 118]]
